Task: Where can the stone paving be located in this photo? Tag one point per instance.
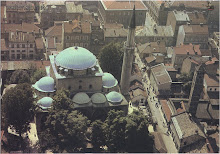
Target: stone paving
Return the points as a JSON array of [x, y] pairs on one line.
[[156, 110]]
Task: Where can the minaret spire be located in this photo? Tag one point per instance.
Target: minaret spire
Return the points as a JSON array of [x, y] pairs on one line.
[[128, 56], [132, 22]]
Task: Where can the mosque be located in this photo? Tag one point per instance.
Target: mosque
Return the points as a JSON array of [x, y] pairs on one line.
[[92, 91]]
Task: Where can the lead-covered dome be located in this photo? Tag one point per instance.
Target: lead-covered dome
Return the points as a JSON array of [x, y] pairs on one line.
[[108, 80], [114, 97], [98, 98], [45, 102], [76, 58], [81, 98], [45, 84]]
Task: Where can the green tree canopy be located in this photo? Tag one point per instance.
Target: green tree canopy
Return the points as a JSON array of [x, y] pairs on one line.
[[65, 132], [65, 129], [18, 107], [123, 133], [187, 80], [111, 59], [184, 77], [98, 136], [37, 75], [19, 76]]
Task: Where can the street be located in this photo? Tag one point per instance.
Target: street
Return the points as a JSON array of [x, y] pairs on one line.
[[156, 110]]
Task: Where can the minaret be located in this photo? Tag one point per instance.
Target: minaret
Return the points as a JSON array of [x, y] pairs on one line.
[[196, 89], [129, 47]]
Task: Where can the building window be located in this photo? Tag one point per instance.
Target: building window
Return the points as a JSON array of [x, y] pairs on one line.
[[12, 45], [23, 45], [90, 86], [9, 15], [12, 51], [67, 37], [23, 56], [210, 89], [17, 45], [80, 81], [13, 56], [31, 45], [9, 21], [23, 50], [31, 50], [18, 50], [18, 56], [31, 56], [80, 87], [215, 89]]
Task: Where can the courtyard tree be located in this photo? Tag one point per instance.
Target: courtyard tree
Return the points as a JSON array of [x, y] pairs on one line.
[[127, 133], [97, 136], [64, 132], [19, 76], [65, 129], [37, 75], [187, 81], [18, 107], [111, 59]]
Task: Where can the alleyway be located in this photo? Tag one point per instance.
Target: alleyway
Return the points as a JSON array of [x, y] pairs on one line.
[[156, 110]]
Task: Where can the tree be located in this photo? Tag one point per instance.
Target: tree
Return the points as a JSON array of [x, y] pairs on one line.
[[65, 129], [98, 136], [137, 135], [111, 59], [37, 75], [187, 81], [19, 76], [18, 107], [184, 77], [127, 133]]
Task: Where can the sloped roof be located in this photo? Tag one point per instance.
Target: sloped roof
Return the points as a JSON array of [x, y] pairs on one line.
[[39, 43], [196, 29], [160, 73], [123, 5], [206, 111], [55, 30], [85, 27], [185, 127], [183, 49], [197, 18], [116, 32], [211, 81]]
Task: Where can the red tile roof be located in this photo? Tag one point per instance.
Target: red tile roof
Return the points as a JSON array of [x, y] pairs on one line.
[[196, 29], [3, 45], [56, 30], [212, 82], [183, 49], [166, 109], [25, 27], [123, 5], [212, 61], [85, 26], [15, 65], [191, 4]]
